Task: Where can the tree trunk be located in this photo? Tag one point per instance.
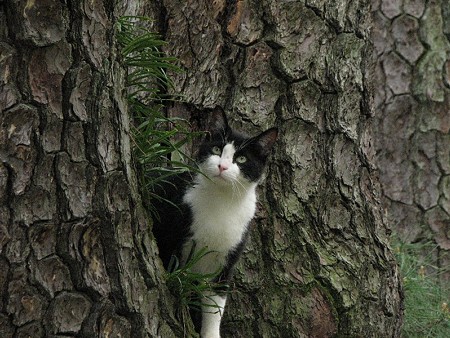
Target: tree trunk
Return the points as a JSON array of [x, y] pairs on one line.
[[318, 262], [412, 124], [76, 254]]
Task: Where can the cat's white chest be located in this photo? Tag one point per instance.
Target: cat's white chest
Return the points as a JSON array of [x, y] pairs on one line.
[[220, 219]]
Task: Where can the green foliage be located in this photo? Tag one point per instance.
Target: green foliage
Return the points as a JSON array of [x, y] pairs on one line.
[[141, 51], [189, 286], [157, 139], [427, 312]]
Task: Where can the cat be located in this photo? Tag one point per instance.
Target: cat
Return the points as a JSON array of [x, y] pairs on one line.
[[212, 209]]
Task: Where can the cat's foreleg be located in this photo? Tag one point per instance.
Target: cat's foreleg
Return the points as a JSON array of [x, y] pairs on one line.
[[213, 306]]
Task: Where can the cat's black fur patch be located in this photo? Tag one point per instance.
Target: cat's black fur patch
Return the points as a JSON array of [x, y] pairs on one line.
[[173, 217]]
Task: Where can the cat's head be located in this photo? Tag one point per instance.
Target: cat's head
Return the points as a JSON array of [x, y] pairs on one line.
[[231, 158]]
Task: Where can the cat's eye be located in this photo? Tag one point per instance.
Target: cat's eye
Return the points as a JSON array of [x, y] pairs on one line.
[[241, 159], [216, 150]]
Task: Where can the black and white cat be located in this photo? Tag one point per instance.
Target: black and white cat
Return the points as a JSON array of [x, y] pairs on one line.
[[213, 210]]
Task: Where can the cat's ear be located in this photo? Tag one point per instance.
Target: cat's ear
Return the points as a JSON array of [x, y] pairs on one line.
[[267, 139], [218, 121]]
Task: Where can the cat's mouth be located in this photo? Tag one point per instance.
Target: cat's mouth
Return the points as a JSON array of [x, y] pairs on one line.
[[221, 178]]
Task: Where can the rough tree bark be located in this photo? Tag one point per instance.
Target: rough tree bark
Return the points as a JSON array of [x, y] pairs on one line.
[[318, 263], [76, 255], [412, 124]]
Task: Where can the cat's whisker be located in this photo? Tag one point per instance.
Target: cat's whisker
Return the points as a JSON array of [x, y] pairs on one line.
[[235, 188], [239, 187]]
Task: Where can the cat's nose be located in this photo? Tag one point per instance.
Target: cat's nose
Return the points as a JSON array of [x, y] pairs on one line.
[[222, 167]]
